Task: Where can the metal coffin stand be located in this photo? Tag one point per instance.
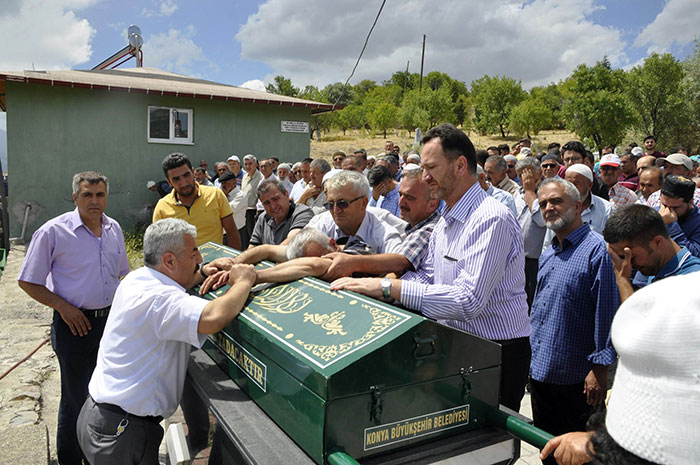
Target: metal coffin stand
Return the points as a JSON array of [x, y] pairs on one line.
[[337, 372]]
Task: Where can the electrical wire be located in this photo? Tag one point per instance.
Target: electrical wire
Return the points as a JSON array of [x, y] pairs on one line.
[[361, 52]]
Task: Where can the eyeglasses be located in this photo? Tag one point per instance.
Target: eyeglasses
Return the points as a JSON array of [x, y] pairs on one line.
[[549, 166], [341, 204], [572, 160]]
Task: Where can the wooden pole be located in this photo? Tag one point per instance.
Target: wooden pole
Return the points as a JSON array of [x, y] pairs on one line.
[[422, 57]]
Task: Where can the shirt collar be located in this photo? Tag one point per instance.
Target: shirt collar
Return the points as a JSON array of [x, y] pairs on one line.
[[76, 221], [466, 205], [271, 221], [503, 182], [163, 278], [432, 218], [574, 237], [673, 264], [177, 200], [364, 227]]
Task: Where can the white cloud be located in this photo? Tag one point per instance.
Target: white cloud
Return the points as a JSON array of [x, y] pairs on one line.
[[164, 8], [254, 84], [677, 23], [536, 41], [44, 34], [175, 51]]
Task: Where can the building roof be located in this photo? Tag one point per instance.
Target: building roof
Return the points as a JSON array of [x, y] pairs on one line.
[[154, 81]]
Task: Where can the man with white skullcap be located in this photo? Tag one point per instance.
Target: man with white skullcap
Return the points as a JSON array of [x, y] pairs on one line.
[[652, 415]]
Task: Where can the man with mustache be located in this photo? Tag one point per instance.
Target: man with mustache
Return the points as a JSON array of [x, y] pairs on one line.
[[575, 302]]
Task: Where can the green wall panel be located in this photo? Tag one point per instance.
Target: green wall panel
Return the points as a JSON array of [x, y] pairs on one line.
[[55, 132]]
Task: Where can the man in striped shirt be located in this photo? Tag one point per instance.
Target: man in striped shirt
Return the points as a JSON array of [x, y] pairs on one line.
[[473, 276]]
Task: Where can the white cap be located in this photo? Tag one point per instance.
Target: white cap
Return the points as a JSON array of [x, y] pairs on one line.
[[581, 169], [330, 174], [653, 410], [637, 151], [284, 166], [610, 160], [411, 167], [371, 157], [233, 158], [511, 157], [150, 184], [526, 151]]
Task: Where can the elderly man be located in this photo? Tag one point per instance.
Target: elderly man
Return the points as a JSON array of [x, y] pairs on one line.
[[338, 158], [473, 276], [220, 168], [502, 196], [550, 165], [573, 153], [249, 186], [234, 166], [142, 360], [283, 172], [205, 207], [200, 175], [644, 163], [347, 215], [314, 196], [385, 190], [282, 218], [610, 174], [496, 169], [236, 198], [303, 181], [267, 170], [511, 161], [574, 305], [530, 219], [391, 162], [73, 265], [596, 211], [679, 165], [352, 163], [362, 155], [650, 181], [637, 238]]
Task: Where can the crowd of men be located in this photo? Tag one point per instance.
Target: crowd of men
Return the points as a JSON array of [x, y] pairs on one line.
[[534, 251]]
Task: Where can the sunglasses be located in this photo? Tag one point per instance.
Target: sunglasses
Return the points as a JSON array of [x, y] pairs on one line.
[[549, 166], [511, 166], [341, 204]]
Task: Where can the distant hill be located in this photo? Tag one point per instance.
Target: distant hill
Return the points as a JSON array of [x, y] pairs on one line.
[[3, 149]]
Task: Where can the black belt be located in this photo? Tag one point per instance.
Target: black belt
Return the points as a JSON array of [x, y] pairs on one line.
[[120, 411], [97, 312]]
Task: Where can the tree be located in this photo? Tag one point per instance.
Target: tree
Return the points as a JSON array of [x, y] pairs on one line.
[[530, 117], [362, 88], [553, 99], [349, 117], [426, 108], [655, 94], [595, 106], [494, 98], [689, 132], [282, 86], [339, 93], [384, 116], [413, 113]]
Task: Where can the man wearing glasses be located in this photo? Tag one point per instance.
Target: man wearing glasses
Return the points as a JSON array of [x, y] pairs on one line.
[[574, 152], [550, 166], [347, 195]]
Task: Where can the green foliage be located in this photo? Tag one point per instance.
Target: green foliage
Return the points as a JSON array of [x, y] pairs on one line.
[[595, 106], [282, 86], [690, 131], [383, 116], [427, 108], [655, 95], [350, 117], [530, 117], [339, 94], [362, 88], [551, 96], [494, 98], [134, 246]]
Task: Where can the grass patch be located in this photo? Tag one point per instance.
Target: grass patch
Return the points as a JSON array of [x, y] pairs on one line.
[[134, 246]]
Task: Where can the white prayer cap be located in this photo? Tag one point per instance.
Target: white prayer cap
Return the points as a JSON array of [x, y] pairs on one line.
[[581, 169]]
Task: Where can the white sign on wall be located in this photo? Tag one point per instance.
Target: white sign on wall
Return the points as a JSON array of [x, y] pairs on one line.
[[295, 126]]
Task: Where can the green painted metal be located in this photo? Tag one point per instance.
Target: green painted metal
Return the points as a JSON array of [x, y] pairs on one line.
[[518, 428], [341, 458], [341, 372], [69, 130]]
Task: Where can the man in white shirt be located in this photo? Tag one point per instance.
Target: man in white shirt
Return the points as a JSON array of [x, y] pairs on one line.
[[236, 198], [142, 359], [300, 185]]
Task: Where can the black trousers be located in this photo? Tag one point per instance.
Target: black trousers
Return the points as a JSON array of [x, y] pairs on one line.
[[246, 232], [560, 409], [77, 357], [531, 266], [515, 367]]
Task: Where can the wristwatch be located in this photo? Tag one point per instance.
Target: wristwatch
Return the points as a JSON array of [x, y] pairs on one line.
[[201, 269], [386, 288]]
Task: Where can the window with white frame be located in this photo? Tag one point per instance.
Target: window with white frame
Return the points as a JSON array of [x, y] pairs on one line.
[[170, 125]]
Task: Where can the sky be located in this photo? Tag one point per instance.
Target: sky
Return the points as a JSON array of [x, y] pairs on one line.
[[247, 43]]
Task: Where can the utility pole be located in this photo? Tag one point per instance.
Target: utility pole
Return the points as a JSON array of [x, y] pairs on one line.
[[405, 78], [422, 57]]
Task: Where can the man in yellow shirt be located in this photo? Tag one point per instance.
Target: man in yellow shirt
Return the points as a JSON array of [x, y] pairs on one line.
[[204, 207]]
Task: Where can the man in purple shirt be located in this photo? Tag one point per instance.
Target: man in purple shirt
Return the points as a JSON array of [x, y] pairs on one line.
[[73, 265], [473, 276]]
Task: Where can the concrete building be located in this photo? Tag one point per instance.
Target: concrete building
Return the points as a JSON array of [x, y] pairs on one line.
[[122, 122]]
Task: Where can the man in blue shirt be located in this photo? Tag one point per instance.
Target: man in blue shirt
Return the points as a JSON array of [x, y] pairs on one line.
[[385, 190], [680, 213], [637, 238], [575, 301]]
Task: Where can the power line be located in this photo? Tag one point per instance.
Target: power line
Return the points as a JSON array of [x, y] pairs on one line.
[[362, 51]]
